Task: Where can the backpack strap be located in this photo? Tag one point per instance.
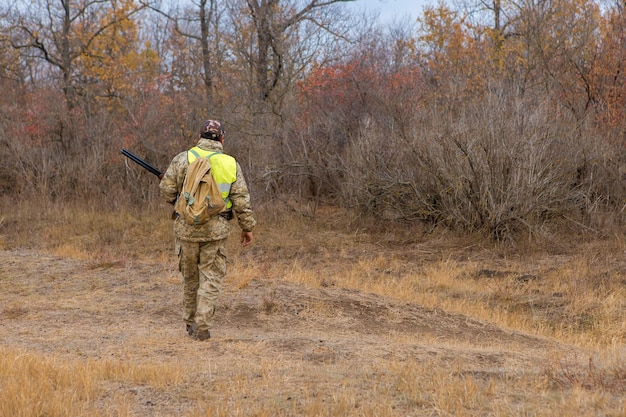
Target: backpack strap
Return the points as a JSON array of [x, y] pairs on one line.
[[195, 153]]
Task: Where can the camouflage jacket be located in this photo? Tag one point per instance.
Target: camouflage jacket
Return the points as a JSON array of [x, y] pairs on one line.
[[217, 227]]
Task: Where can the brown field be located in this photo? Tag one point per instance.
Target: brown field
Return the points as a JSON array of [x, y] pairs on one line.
[[316, 319]]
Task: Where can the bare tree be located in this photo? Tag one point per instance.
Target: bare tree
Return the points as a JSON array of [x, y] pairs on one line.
[[272, 22], [201, 24], [272, 45]]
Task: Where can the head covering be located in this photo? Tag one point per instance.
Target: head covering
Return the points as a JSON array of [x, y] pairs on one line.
[[212, 129]]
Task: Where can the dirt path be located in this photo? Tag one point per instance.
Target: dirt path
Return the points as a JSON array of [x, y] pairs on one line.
[[131, 312]]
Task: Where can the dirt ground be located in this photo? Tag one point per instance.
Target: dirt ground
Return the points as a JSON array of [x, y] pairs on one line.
[[131, 312]]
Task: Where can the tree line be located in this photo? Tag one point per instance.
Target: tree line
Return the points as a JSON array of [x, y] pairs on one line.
[[504, 116]]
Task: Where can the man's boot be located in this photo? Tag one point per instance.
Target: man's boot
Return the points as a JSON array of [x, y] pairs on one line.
[[203, 335]]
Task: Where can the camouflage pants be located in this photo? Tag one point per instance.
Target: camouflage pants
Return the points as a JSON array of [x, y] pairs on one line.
[[203, 266]]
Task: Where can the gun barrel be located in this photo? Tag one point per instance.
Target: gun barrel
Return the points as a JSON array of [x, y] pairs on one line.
[[141, 162]]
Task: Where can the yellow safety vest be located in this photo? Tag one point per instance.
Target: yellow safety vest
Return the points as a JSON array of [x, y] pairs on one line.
[[223, 167]]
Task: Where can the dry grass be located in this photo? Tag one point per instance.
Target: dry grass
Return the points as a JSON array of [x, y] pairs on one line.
[[576, 295], [90, 233], [316, 321], [35, 384]]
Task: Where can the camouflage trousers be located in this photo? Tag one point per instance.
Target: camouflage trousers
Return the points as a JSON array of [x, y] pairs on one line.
[[203, 266]]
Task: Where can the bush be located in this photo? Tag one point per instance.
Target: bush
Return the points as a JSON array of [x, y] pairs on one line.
[[503, 165]]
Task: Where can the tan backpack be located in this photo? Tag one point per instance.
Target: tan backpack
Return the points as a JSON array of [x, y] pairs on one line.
[[200, 199]]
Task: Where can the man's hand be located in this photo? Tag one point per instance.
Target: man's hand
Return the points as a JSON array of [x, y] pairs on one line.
[[246, 238]]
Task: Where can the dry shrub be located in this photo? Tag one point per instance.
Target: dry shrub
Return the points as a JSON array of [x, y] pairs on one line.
[[505, 165], [50, 157], [514, 167], [606, 375]]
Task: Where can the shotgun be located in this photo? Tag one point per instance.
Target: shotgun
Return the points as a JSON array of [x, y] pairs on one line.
[[141, 162]]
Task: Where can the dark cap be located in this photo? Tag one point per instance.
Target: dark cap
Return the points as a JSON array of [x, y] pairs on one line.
[[212, 129]]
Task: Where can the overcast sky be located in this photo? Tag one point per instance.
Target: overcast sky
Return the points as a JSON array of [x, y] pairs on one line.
[[388, 9]]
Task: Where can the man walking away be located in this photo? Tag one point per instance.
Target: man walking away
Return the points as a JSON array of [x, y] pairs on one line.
[[201, 248]]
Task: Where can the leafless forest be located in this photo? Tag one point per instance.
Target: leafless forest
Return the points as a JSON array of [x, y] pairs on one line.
[[503, 117]]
